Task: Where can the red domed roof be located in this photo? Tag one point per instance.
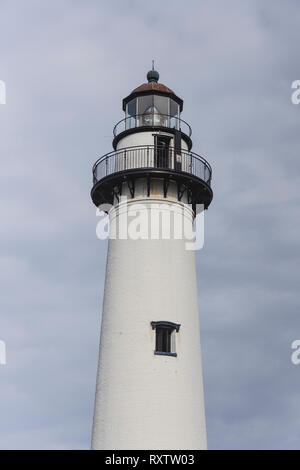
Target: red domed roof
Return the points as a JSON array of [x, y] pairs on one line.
[[153, 86]]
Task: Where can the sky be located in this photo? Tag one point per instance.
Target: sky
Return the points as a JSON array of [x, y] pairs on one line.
[[67, 66]]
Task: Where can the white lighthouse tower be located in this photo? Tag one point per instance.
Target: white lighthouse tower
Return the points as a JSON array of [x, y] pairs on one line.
[[149, 392]]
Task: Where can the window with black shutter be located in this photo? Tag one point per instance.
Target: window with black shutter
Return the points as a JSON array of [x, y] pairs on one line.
[[164, 337]]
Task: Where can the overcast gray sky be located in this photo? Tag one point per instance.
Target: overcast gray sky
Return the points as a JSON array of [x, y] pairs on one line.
[[67, 65]]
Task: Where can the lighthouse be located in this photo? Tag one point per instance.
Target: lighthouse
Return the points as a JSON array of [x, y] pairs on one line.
[[149, 392]]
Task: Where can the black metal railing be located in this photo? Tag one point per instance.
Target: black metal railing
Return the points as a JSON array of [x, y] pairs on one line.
[[152, 157], [153, 120]]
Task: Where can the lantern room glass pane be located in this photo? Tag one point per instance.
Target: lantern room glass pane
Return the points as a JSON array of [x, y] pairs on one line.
[[174, 108], [161, 103], [131, 115], [131, 108], [145, 103], [174, 113]]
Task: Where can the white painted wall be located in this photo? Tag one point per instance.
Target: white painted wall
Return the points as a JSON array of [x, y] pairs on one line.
[[147, 401], [146, 138]]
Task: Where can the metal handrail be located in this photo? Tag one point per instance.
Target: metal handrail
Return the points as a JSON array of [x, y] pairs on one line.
[[154, 120], [152, 156]]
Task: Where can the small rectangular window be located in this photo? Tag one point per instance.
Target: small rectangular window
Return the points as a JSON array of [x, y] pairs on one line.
[[164, 337]]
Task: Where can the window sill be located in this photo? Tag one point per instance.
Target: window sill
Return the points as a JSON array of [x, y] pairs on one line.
[[161, 353]]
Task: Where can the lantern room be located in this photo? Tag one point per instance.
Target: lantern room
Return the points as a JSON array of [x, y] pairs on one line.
[[152, 145], [152, 106]]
